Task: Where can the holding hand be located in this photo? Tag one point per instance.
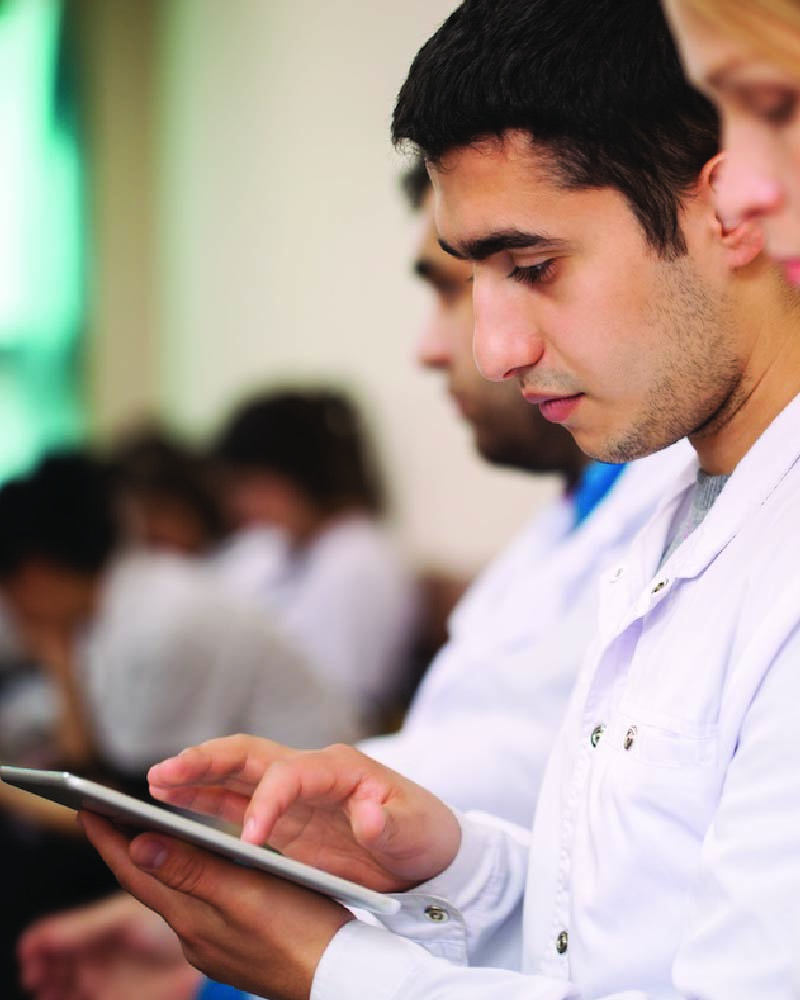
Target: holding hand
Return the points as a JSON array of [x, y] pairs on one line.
[[335, 809]]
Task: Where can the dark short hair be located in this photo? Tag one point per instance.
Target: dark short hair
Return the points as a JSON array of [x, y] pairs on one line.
[[62, 513], [415, 182], [315, 438], [598, 85], [150, 463]]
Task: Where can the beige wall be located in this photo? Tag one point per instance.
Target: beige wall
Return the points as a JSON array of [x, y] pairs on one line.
[[118, 42], [281, 245]]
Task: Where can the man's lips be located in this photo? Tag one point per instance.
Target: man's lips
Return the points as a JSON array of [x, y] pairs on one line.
[[554, 408]]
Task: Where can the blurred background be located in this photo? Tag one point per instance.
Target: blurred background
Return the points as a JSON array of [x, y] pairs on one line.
[[199, 202], [199, 198]]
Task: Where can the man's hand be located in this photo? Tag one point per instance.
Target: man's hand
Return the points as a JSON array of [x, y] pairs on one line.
[[335, 809], [111, 950], [261, 934]]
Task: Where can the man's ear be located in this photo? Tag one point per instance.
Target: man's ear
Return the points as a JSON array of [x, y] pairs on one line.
[[742, 239]]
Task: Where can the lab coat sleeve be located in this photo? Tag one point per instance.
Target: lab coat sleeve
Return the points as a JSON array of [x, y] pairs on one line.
[[423, 952], [453, 914], [398, 969]]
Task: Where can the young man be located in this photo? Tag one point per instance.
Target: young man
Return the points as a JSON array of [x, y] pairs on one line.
[[519, 634], [574, 169]]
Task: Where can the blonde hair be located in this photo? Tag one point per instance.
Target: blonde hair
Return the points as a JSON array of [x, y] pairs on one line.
[[769, 28]]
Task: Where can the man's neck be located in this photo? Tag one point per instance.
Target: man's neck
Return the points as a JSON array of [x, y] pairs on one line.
[[769, 382]]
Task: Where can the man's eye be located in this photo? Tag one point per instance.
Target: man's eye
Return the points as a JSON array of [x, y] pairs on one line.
[[534, 274], [452, 291]]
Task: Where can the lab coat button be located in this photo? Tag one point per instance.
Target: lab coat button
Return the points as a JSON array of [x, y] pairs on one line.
[[597, 732], [437, 913], [562, 942], [630, 736]]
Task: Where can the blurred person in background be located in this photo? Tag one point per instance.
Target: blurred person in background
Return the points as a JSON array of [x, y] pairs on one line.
[[167, 492], [147, 650], [286, 511], [144, 652], [298, 461], [745, 56], [480, 728], [170, 498]]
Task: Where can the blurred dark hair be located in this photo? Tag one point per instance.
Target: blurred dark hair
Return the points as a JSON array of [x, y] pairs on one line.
[[598, 86], [415, 182], [313, 437], [150, 464], [63, 513]]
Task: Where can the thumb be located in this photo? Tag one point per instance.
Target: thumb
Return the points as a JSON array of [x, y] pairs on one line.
[[179, 866]]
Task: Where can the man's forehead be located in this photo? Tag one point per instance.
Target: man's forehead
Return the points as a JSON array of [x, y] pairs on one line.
[[483, 188], [498, 196], [431, 262], [495, 196], [513, 156]]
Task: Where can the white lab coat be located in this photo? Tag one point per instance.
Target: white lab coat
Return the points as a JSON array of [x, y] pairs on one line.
[[347, 600], [665, 855], [173, 658], [482, 725]]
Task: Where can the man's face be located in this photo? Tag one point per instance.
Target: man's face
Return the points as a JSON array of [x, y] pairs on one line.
[[164, 523], [47, 598], [258, 498], [508, 431], [628, 351]]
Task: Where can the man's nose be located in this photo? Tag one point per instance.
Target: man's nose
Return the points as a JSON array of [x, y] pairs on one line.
[[434, 348], [505, 341]]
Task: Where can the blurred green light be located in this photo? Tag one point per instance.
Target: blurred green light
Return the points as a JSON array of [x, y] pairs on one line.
[[41, 238]]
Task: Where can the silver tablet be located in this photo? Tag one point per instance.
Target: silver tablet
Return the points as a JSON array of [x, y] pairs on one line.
[[78, 793]]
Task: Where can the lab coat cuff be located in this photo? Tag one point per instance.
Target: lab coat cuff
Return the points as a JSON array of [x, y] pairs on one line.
[[362, 958]]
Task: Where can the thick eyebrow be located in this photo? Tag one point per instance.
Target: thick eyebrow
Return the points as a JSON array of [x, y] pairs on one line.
[[510, 239], [426, 269]]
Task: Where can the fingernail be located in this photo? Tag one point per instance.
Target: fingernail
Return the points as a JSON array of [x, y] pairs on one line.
[[148, 854], [250, 829]]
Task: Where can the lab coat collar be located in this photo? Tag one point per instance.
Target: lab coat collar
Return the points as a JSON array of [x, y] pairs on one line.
[[637, 584]]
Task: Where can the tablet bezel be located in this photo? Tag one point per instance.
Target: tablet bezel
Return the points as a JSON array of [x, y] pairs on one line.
[[79, 793]]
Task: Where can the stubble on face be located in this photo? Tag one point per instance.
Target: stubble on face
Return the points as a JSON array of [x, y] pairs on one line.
[[698, 386]]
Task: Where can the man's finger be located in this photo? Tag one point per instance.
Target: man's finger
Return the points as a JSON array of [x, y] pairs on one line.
[[219, 802], [322, 777], [238, 762]]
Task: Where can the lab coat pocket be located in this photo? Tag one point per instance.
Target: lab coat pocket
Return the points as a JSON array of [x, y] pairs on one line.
[[664, 772], [661, 745]]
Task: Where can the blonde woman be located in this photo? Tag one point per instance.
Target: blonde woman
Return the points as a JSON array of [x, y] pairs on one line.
[[745, 55]]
